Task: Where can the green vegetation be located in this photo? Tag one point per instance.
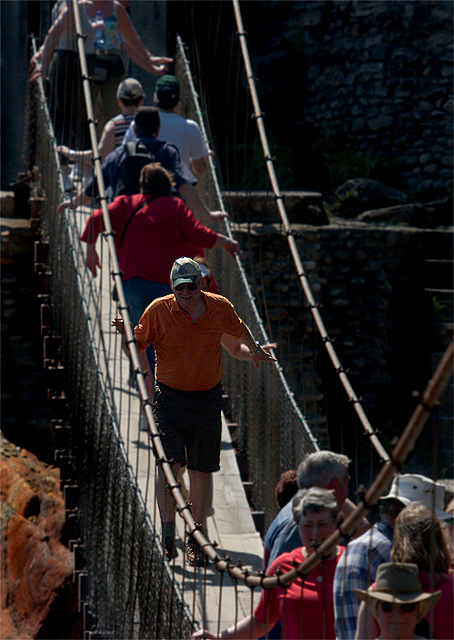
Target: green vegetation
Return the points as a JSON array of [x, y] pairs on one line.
[[254, 172], [322, 167], [339, 200], [342, 160]]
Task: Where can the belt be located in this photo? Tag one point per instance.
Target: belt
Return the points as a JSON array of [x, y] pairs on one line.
[[107, 52]]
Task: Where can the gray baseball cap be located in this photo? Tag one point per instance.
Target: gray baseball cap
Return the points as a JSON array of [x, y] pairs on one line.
[[129, 89]]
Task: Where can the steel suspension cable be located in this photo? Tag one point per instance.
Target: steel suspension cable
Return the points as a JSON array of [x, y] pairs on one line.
[[301, 274]]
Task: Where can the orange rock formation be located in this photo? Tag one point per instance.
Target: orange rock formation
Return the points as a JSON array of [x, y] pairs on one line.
[[35, 563]]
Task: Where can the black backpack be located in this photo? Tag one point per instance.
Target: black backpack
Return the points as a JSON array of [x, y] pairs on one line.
[[129, 170]]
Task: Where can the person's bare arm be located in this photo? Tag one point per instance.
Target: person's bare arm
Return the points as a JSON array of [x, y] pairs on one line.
[[107, 142], [82, 157], [256, 350], [154, 64], [64, 21], [105, 146], [230, 246], [239, 350], [75, 202], [199, 166], [196, 204], [135, 45]]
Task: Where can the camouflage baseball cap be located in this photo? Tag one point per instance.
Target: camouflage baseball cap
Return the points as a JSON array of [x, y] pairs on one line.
[[185, 270]]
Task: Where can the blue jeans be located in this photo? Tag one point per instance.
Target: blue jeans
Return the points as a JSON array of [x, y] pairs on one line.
[[139, 293]]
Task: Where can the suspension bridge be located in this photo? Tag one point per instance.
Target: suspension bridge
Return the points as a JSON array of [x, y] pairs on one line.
[[129, 589]]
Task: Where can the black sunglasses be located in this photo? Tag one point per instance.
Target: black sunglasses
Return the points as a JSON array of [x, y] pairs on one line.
[[406, 607], [191, 286]]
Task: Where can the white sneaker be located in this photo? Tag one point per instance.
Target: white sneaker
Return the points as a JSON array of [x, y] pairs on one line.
[[143, 422]]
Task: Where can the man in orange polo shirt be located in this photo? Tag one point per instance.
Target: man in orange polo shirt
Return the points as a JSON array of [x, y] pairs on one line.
[[187, 329]]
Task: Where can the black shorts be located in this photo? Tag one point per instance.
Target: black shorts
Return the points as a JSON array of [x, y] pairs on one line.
[[190, 422]]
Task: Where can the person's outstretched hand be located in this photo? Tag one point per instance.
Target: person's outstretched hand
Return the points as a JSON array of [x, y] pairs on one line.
[[268, 346], [119, 325], [64, 150], [214, 215], [38, 72], [232, 248], [64, 205], [158, 65], [263, 355]]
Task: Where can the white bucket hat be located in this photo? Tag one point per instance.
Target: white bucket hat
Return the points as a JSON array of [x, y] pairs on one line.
[[409, 488]]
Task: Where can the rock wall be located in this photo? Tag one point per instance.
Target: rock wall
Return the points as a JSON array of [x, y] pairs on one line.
[[378, 75], [347, 89], [24, 384], [370, 281]]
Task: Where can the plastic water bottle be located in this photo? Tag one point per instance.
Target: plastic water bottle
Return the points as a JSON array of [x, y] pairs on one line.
[[100, 40]]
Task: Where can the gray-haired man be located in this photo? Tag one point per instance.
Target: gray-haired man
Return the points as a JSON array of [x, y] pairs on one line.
[[324, 469]]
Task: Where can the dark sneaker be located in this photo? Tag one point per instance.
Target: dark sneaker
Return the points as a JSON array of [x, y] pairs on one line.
[[170, 550], [194, 554]]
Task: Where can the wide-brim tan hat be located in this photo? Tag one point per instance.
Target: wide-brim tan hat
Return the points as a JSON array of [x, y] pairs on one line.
[[397, 582]]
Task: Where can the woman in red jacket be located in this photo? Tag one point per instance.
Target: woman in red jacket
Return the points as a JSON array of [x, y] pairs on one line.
[[305, 608]]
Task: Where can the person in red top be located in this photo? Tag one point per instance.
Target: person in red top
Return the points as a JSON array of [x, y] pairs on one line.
[[187, 328], [305, 609], [152, 229]]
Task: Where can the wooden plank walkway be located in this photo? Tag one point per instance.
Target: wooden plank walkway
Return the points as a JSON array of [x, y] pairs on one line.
[[231, 525]]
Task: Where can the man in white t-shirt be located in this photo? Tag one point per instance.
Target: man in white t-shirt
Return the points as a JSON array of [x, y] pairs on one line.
[[185, 134]]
